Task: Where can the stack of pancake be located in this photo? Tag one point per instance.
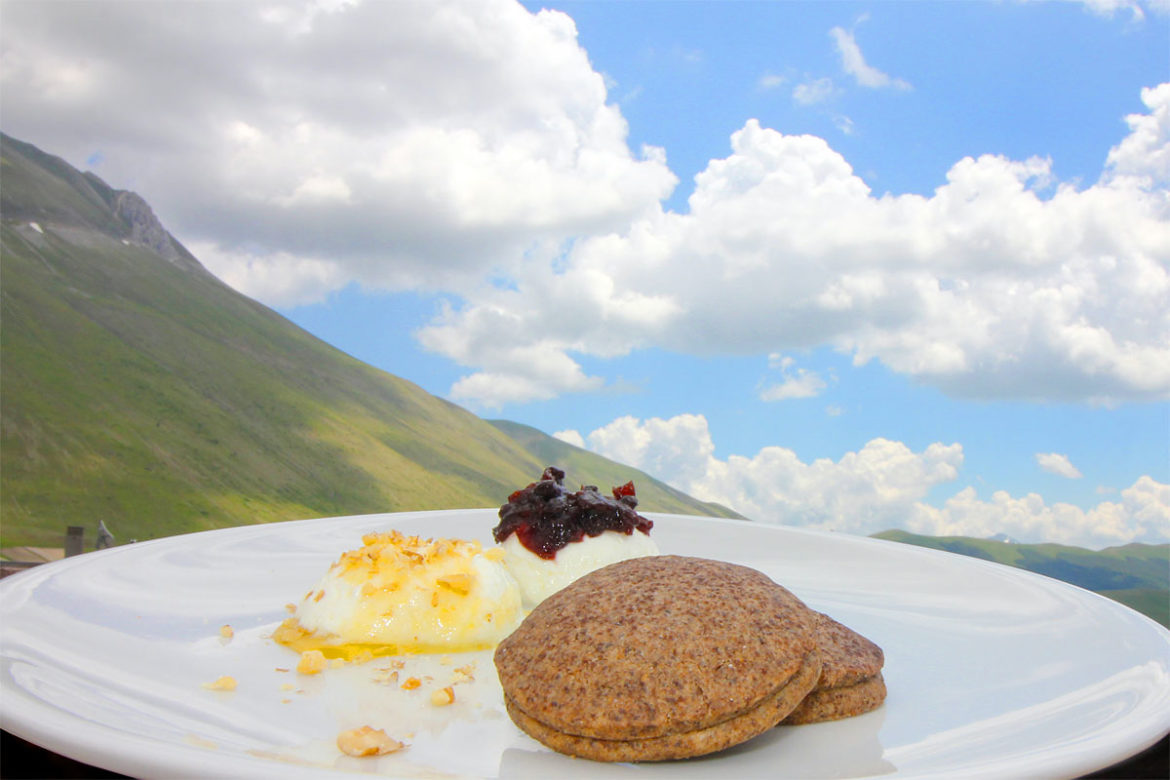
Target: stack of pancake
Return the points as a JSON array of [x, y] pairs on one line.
[[669, 657]]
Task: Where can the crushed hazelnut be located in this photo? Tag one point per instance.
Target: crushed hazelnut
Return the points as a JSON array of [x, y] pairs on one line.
[[226, 631], [386, 676], [411, 683], [224, 683], [367, 741], [458, 583], [312, 662], [441, 697]]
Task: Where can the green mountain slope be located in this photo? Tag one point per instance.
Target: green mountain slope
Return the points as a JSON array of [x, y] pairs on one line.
[[137, 389], [1137, 575]]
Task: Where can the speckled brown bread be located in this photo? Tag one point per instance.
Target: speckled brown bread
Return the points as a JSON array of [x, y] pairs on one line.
[[851, 680], [659, 658]]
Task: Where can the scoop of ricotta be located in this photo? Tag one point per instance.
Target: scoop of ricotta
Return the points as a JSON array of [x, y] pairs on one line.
[[539, 578], [405, 594]]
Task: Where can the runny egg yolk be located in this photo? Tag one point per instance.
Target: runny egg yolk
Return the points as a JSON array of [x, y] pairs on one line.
[[406, 594]]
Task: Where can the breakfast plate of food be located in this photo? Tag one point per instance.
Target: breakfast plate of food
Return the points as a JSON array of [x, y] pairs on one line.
[[491, 643]]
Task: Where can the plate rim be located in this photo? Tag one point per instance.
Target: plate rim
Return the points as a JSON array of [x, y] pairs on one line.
[[46, 725]]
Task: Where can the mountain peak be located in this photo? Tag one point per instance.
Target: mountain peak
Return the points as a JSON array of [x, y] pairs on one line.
[[45, 190], [146, 230]]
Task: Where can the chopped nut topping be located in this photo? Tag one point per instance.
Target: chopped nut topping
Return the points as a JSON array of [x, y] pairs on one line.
[[411, 683], [441, 697], [312, 662], [459, 583], [224, 683], [367, 741], [226, 631]]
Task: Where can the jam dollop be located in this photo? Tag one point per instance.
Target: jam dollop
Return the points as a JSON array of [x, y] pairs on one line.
[[545, 516]]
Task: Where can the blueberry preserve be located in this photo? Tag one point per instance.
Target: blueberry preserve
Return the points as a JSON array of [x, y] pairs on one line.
[[545, 516]]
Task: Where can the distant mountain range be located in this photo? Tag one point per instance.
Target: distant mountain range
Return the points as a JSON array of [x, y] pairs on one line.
[[141, 391], [1137, 575]]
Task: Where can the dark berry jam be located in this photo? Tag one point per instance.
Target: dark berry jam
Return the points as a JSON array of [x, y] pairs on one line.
[[545, 516]]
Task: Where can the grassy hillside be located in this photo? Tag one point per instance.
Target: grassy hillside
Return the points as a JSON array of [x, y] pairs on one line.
[[1137, 575], [147, 394]]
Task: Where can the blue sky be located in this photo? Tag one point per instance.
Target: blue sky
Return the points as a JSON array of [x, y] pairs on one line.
[[844, 265]]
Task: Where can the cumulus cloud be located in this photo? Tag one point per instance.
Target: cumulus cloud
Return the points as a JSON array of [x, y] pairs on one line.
[[1142, 515], [880, 486], [770, 81], [796, 382], [853, 62], [401, 145], [571, 437], [1135, 8], [469, 146], [813, 91], [1003, 283], [1060, 465]]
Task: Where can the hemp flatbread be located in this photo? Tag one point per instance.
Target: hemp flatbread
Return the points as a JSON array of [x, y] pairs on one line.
[[659, 658], [851, 681]]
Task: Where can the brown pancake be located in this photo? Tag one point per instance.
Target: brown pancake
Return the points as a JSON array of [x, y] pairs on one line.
[[659, 658], [851, 681]]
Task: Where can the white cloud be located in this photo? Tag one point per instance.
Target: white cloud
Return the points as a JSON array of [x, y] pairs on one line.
[[411, 144], [680, 446], [1111, 7], [985, 288], [1143, 157], [796, 382], [1143, 515], [281, 276], [853, 63], [770, 81], [883, 485], [438, 145], [1135, 8], [811, 92], [570, 437], [1060, 465]]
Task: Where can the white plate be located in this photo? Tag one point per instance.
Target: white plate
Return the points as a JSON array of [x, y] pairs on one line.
[[991, 671]]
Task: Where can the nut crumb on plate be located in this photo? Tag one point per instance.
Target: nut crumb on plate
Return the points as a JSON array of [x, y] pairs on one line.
[[312, 662], [367, 741], [224, 683]]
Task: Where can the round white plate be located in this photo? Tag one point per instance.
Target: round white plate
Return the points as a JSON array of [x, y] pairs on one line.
[[991, 671]]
